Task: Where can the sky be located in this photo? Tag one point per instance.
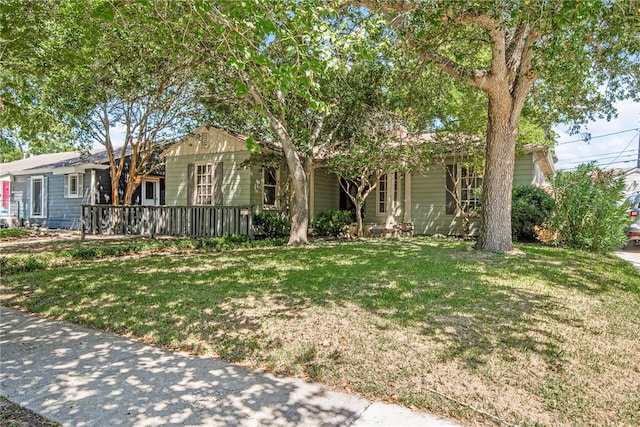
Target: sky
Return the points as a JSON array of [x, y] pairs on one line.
[[613, 144]]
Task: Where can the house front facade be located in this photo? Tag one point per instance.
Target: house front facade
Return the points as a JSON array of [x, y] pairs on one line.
[[212, 167], [49, 189]]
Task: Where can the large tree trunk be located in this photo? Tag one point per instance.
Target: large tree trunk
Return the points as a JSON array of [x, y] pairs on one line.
[[299, 201], [495, 234]]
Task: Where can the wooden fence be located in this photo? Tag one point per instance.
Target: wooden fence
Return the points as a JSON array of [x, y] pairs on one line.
[[187, 221]]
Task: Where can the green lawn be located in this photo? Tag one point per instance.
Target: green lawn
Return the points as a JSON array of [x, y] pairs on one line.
[[550, 336]]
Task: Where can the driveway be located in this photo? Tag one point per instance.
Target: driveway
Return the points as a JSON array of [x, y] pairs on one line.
[[631, 253]]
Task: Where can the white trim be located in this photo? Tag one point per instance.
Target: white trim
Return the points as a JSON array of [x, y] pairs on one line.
[[212, 195], [391, 196], [92, 193], [386, 195], [79, 191], [407, 197], [156, 191], [276, 185], [312, 194], [43, 199]]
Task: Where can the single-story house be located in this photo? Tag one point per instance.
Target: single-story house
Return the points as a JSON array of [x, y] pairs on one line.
[[210, 167], [631, 179], [49, 189]]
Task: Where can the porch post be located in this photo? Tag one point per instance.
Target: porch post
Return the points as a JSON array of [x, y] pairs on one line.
[[407, 197], [312, 196]]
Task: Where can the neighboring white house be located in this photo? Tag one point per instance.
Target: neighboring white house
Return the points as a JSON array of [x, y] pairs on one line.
[[632, 180]]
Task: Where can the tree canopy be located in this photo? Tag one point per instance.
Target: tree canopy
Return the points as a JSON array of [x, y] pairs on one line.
[[551, 57], [508, 69]]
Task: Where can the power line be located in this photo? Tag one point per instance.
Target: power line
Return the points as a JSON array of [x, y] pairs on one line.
[[623, 150], [602, 159], [591, 156], [599, 136], [576, 167]]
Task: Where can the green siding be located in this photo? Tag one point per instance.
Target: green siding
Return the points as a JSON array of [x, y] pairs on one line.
[[428, 201], [326, 191], [255, 188], [523, 173], [237, 182]]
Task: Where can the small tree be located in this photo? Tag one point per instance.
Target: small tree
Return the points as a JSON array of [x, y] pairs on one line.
[[531, 207], [588, 212], [372, 152]]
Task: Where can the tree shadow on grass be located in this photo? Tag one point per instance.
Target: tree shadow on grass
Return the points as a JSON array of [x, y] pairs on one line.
[[454, 296], [79, 376], [191, 302]]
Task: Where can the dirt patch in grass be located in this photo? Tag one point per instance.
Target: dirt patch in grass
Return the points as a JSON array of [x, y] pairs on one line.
[[13, 415], [545, 337]]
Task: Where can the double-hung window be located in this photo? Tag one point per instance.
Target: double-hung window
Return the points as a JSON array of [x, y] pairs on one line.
[[463, 183], [73, 185], [388, 186], [269, 188], [204, 183], [470, 182]]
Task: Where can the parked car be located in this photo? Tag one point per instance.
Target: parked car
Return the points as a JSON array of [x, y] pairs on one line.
[[633, 232]]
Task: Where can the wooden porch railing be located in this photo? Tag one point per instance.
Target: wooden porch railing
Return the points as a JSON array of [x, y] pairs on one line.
[[186, 221]]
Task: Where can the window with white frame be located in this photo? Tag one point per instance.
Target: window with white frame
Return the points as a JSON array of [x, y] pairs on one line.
[[470, 182], [462, 192], [204, 183], [269, 187], [385, 184], [37, 196], [73, 185]]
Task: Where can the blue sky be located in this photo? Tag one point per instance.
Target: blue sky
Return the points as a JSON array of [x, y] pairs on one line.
[[613, 144]]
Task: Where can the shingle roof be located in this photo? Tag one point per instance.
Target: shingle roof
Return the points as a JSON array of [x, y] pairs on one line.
[[57, 160]]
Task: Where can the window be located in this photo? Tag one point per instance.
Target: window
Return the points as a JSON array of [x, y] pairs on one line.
[[149, 190], [73, 185], [385, 182], [204, 184], [462, 188], [469, 184], [37, 196], [269, 187]]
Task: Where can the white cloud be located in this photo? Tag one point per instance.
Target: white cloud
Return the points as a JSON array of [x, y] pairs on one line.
[[613, 144]]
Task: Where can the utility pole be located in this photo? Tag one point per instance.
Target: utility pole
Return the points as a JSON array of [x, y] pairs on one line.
[[638, 164]]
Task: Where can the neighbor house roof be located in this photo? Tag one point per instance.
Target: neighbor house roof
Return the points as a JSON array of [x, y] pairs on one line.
[[58, 163]]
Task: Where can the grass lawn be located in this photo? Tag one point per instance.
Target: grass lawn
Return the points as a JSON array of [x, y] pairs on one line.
[[548, 337]]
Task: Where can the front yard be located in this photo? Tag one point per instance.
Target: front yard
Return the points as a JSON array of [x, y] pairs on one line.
[[549, 337]]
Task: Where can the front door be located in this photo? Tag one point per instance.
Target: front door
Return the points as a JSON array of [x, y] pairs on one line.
[[150, 192]]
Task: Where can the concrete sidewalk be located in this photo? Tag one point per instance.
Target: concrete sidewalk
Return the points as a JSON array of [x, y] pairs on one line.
[[83, 377]]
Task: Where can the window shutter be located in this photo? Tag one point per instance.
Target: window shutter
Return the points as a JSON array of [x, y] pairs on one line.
[[217, 186], [450, 208], [80, 185], [191, 184], [66, 186]]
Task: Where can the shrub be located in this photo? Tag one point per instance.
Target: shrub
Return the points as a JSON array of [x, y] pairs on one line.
[[13, 264], [531, 206], [331, 223], [588, 213], [272, 224]]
